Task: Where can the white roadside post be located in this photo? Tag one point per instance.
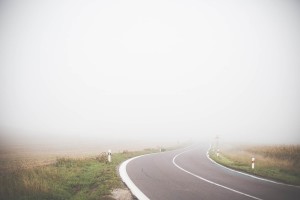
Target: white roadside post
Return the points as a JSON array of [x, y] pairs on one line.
[[253, 161], [218, 152], [109, 155]]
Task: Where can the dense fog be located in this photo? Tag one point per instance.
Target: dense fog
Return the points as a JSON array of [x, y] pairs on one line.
[[138, 73]]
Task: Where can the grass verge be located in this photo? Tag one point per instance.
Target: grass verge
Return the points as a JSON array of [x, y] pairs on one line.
[[280, 163], [66, 178]]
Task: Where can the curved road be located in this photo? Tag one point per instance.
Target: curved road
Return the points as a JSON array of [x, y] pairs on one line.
[[189, 174]]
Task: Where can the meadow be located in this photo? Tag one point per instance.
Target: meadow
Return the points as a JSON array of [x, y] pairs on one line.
[[89, 177], [277, 162]]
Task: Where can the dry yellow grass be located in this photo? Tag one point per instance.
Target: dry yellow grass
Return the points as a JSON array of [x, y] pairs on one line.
[[278, 162], [287, 156], [83, 177]]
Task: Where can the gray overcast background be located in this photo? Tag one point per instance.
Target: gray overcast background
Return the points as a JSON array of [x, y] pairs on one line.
[[149, 71]]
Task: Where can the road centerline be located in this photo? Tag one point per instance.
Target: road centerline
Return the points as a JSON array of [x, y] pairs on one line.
[[209, 181]]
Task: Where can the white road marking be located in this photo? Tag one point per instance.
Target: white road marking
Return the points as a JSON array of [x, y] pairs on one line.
[[125, 178], [252, 176], [206, 180]]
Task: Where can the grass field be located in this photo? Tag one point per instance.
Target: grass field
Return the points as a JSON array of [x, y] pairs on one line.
[[276, 162], [65, 178]]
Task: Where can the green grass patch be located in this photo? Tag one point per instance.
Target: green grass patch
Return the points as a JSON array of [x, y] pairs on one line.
[[271, 166], [67, 178]]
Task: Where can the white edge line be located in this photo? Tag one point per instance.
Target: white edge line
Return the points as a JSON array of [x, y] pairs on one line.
[[246, 174], [211, 182], [125, 178]]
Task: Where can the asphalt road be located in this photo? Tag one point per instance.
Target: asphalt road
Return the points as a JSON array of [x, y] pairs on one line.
[[189, 174]]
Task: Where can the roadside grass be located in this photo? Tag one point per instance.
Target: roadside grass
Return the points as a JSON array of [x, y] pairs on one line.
[[66, 178], [280, 163]]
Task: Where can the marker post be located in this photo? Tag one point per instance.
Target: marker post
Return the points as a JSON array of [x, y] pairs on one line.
[[253, 161], [109, 155]]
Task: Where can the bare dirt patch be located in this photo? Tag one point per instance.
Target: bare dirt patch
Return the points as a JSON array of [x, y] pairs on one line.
[[121, 194]]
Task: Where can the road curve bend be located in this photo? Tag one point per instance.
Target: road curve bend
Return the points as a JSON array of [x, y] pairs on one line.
[[190, 175]]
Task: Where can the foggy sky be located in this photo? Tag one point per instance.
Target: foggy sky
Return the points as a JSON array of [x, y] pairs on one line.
[[150, 70]]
